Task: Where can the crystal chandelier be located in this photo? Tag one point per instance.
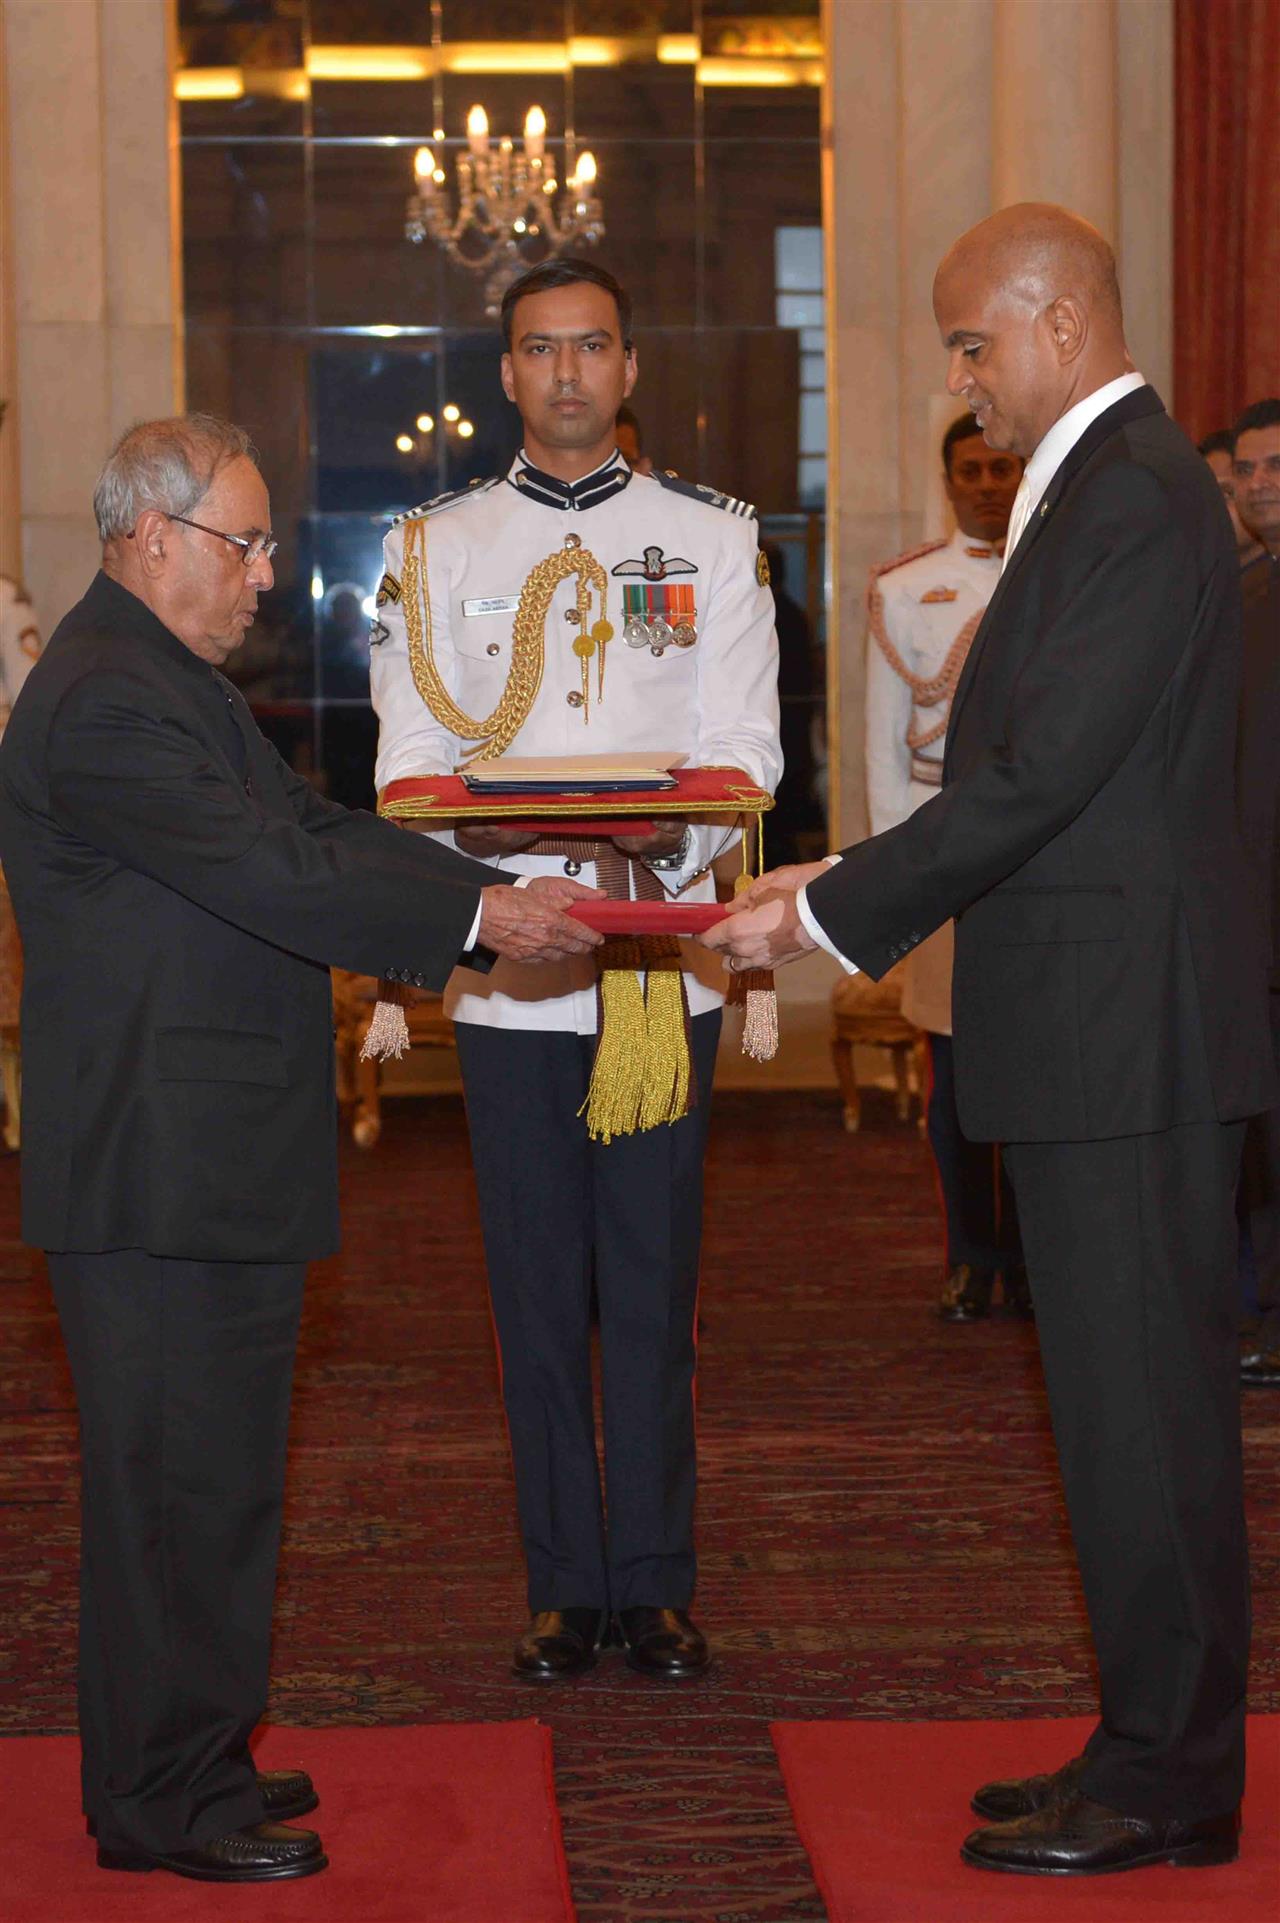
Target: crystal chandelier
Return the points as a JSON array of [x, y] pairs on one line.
[[507, 215]]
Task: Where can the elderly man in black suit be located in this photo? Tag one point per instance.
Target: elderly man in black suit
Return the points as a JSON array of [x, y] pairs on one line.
[[1110, 1012], [181, 893]]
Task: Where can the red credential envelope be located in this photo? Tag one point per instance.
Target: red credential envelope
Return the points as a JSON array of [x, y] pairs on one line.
[[648, 917]]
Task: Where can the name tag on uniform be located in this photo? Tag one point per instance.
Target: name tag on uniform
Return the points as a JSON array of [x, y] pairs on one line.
[[492, 604]]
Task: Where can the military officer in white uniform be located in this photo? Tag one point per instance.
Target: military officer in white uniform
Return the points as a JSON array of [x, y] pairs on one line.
[[923, 610], [666, 641]]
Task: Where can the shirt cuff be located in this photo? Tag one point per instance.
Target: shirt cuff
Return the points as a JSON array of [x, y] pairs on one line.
[[809, 921], [470, 942]]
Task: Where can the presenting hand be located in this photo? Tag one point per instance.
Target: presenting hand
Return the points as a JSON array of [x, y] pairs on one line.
[[530, 925], [763, 928], [663, 839], [797, 875], [491, 838]]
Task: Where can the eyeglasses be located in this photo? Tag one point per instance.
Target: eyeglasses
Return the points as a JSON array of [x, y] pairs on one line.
[[254, 547]]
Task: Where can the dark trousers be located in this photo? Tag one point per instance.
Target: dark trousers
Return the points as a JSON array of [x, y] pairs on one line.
[[1260, 1210], [1131, 1256], [182, 1373], [977, 1197], [558, 1208]]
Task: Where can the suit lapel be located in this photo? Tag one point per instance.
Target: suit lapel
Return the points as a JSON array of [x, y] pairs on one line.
[[1131, 407]]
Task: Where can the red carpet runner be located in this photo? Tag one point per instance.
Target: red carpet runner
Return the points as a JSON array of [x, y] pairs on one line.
[[422, 1824], [882, 1809]]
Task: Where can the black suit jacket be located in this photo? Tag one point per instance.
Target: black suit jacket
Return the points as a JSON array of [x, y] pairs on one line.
[[1258, 749], [1109, 971], [181, 893]]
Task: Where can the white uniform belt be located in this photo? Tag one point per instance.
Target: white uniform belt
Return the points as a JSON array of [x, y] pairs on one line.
[[925, 769]]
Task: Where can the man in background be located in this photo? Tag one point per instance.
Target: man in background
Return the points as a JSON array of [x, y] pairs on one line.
[[631, 442], [1218, 449], [1256, 482], [923, 609]]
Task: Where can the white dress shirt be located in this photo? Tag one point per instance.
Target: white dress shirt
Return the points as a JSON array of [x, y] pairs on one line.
[[1039, 472], [1055, 447]]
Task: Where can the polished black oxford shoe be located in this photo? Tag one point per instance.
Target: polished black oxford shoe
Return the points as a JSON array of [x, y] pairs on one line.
[[286, 1793], [1074, 1836], [1260, 1368], [966, 1294], [558, 1643], [1006, 1801], [262, 1853], [663, 1643]]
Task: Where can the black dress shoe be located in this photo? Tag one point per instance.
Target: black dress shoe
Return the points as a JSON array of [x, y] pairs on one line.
[[558, 1643], [1074, 1836], [263, 1853], [663, 1643], [1017, 1796], [1017, 1292], [285, 1793], [1260, 1368], [966, 1294]]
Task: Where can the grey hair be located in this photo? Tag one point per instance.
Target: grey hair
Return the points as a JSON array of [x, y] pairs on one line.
[[170, 465]]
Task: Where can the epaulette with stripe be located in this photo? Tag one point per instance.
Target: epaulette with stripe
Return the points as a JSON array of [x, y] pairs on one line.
[[912, 554], [442, 501], [699, 491]]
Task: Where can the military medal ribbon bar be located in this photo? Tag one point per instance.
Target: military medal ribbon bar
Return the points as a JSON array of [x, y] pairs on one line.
[[658, 615]]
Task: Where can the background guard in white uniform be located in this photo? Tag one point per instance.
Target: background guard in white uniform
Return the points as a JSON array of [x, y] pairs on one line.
[[923, 610], [691, 666]]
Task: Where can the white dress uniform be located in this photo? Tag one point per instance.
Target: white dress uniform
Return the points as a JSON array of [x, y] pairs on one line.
[[715, 700], [923, 611], [920, 605], [691, 667]]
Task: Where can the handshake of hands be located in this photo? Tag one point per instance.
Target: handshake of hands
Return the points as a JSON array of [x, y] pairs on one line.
[[762, 929]]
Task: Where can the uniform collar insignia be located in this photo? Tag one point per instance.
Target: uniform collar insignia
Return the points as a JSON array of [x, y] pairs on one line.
[[607, 480]]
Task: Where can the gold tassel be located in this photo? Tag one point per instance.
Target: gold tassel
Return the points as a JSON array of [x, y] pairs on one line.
[[388, 1034], [640, 1077]]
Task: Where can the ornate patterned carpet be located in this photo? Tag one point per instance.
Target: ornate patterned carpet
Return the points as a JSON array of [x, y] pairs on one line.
[[880, 1524]]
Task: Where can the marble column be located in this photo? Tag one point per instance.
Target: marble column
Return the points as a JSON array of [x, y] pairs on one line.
[[937, 112], [10, 526], [93, 258]]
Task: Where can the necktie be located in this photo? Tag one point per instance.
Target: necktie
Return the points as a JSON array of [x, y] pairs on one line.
[[1018, 518]]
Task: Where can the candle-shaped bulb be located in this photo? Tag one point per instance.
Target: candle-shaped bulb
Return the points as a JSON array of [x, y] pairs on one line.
[[478, 130], [424, 167], [585, 174], [535, 133]]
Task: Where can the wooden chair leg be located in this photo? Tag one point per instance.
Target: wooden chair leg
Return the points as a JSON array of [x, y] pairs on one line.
[[366, 1125], [901, 1053], [922, 1071], [11, 1077], [842, 1061]]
